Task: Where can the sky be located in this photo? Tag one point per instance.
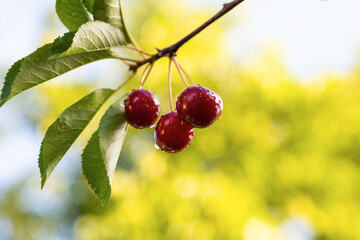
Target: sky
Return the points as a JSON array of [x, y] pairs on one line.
[[314, 37]]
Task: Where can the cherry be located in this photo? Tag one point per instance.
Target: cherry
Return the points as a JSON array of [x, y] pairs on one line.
[[141, 108], [172, 134], [199, 106]]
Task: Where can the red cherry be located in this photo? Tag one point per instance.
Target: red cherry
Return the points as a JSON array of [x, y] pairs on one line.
[[141, 108], [199, 106], [172, 134]]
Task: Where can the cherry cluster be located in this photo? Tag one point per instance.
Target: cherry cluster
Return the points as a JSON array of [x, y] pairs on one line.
[[196, 107]]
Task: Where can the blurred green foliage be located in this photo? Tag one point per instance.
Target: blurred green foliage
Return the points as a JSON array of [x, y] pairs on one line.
[[283, 152], [280, 151]]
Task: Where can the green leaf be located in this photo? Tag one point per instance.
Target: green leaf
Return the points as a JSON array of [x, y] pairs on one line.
[[89, 5], [93, 169], [90, 43], [102, 152], [72, 13], [66, 129], [110, 11], [9, 79], [61, 44], [91, 37]]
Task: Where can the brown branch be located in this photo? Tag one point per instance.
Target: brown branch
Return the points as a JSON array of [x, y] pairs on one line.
[[171, 50]]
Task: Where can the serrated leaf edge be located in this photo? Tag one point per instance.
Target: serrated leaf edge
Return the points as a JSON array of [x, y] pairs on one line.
[[97, 133], [42, 168], [102, 200]]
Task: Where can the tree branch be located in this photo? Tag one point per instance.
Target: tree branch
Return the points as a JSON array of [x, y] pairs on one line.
[[171, 50]]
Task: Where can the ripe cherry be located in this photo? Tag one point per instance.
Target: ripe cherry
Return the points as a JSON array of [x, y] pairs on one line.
[[172, 134], [199, 106], [141, 108]]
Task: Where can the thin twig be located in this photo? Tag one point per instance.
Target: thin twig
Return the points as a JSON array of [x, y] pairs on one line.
[[170, 89], [172, 49], [226, 8], [173, 58]]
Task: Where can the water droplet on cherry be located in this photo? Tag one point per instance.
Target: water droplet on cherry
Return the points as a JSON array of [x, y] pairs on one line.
[[141, 109], [191, 136], [199, 106]]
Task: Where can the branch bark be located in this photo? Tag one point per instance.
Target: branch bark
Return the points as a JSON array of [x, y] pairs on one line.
[[172, 49]]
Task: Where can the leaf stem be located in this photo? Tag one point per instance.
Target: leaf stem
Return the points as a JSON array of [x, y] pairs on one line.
[[140, 51], [126, 59]]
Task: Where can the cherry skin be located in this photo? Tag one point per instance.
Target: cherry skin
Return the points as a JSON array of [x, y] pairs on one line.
[[172, 134], [141, 108], [199, 106]]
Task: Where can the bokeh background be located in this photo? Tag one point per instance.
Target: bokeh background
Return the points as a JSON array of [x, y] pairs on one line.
[[282, 163]]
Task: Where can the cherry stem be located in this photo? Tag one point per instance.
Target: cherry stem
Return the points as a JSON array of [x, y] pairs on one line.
[[170, 89], [172, 49], [173, 58], [145, 74], [187, 75]]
